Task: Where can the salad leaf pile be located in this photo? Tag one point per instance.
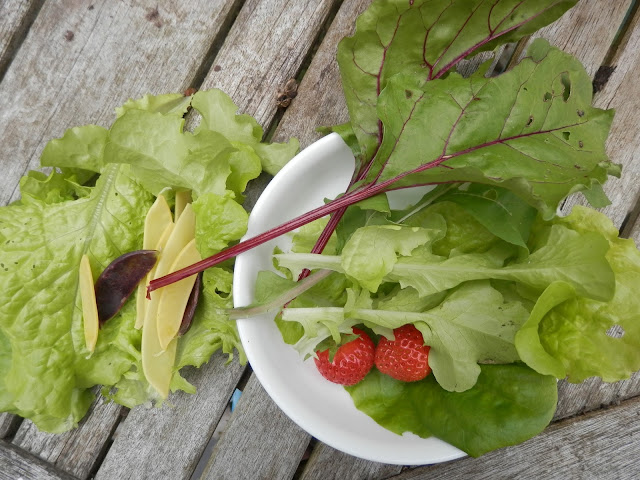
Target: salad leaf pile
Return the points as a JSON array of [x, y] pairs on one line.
[[94, 202], [509, 296], [540, 312]]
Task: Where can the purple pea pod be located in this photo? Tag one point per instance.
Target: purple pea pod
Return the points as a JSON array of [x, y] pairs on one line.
[[192, 303], [118, 281]]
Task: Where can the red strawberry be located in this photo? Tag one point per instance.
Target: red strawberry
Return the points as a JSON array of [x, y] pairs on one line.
[[351, 363], [406, 357]]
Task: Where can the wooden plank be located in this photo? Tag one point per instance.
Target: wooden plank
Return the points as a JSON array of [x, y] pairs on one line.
[[8, 424], [252, 68], [167, 442], [76, 451], [586, 31], [592, 394], [325, 459], [15, 18], [622, 92], [271, 444], [602, 445], [80, 60], [59, 79], [16, 464], [320, 100]]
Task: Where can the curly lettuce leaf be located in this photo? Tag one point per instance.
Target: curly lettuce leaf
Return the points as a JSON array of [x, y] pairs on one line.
[[508, 405], [219, 115], [40, 249], [175, 104], [371, 252], [79, 147], [569, 335], [162, 155], [220, 220], [43, 236], [53, 188], [577, 258], [211, 329], [426, 39]]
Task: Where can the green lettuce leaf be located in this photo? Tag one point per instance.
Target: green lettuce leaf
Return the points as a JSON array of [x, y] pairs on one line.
[[219, 115], [371, 252], [472, 325], [508, 405], [43, 236], [220, 220], [569, 335], [79, 147], [162, 155], [41, 246], [53, 188], [500, 211], [577, 258], [463, 233], [211, 329], [175, 104]]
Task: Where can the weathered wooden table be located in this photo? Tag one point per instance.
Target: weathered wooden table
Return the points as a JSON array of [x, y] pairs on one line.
[[70, 62]]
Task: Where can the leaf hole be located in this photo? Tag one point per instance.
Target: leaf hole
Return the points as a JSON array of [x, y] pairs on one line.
[[580, 143], [566, 135], [580, 113], [566, 83], [408, 93], [547, 97], [530, 120], [615, 332]]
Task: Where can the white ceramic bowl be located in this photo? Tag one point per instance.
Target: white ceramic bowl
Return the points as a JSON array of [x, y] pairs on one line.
[[322, 408]]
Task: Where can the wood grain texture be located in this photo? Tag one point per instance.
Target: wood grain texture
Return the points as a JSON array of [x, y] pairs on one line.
[[327, 463], [15, 17], [167, 442], [8, 424], [251, 68], [16, 464], [79, 61], [635, 231], [77, 451], [586, 31], [602, 445], [260, 443], [622, 93], [320, 100], [592, 394]]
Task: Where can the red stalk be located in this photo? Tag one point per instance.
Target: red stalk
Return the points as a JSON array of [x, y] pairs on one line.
[[343, 202], [275, 232]]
